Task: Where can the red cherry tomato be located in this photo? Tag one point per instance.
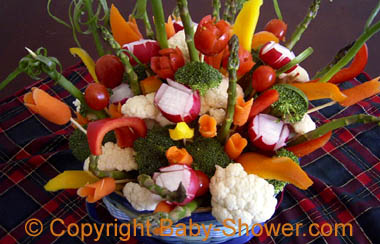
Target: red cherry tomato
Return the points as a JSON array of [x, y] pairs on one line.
[[211, 38], [204, 183], [167, 63], [277, 27], [109, 70], [96, 96], [245, 59], [263, 78]]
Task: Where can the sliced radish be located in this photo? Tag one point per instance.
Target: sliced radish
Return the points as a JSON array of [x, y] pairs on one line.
[[143, 50], [178, 26], [177, 102], [121, 93], [276, 55], [267, 132], [171, 176]]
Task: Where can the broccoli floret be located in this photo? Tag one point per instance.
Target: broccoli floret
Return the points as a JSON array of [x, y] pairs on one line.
[[206, 153], [150, 151], [199, 76], [79, 145], [292, 104], [277, 184]]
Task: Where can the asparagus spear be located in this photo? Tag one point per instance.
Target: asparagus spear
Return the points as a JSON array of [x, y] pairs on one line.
[[334, 124], [139, 12], [277, 9], [301, 57], [216, 9], [159, 23], [133, 78], [173, 196], [233, 66], [296, 36], [189, 29]]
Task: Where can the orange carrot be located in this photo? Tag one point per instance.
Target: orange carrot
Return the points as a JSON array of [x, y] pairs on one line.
[[169, 26], [262, 37], [242, 110], [207, 126], [114, 110], [47, 106], [150, 84], [163, 206], [263, 102], [178, 156], [96, 191], [235, 145], [80, 119], [124, 32], [308, 147], [361, 92]]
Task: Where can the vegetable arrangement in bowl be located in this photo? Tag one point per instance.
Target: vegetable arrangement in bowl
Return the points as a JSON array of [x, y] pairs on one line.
[[211, 115]]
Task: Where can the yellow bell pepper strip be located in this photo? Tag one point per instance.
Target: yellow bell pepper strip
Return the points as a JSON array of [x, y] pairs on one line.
[[246, 22], [278, 168], [361, 92], [86, 59], [70, 179], [181, 131], [318, 90]]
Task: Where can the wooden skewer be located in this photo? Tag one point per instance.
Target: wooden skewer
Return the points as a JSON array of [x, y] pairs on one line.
[[78, 125], [321, 107]]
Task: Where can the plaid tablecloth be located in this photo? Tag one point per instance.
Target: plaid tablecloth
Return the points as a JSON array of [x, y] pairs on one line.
[[346, 175]]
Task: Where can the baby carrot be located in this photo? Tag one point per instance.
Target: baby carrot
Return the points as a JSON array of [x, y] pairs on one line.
[[114, 110], [235, 145], [207, 126], [361, 92], [178, 156], [96, 191], [242, 110], [163, 206]]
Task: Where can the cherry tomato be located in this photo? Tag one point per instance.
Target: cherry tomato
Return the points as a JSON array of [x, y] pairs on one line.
[[263, 78], [109, 70], [169, 61], [277, 27], [245, 59], [204, 182], [96, 96], [211, 38]]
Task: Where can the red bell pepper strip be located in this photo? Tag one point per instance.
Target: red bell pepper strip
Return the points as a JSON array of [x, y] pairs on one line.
[[263, 102], [356, 67], [308, 147], [125, 137]]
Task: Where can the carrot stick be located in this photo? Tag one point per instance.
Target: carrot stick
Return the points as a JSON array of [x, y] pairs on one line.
[[169, 26], [47, 106], [235, 145], [263, 102], [207, 126], [178, 156], [163, 206], [80, 119], [114, 110], [308, 147], [242, 111], [96, 191], [361, 92]]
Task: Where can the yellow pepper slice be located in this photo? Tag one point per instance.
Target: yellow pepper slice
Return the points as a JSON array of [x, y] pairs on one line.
[[181, 131], [246, 22], [86, 59], [319, 90], [70, 179]]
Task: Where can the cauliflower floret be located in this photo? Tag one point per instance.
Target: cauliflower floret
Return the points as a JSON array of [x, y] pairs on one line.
[[140, 106], [305, 125], [116, 158], [140, 198], [179, 40], [219, 114], [76, 103], [162, 121], [204, 106], [240, 196], [218, 97]]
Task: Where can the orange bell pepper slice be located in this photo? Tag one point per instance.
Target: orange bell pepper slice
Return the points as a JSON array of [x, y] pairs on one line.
[[150, 84], [278, 168], [262, 37], [242, 110], [319, 90], [178, 156], [114, 111], [96, 191], [207, 126], [235, 145], [50, 108], [361, 92], [308, 147]]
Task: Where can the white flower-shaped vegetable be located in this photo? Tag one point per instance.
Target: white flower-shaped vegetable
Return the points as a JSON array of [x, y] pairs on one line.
[[140, 198], [179, 40], [219, 114], [140, 106], [240, 196], [76, 103], [116, 158], [218, 97], [305, 125]]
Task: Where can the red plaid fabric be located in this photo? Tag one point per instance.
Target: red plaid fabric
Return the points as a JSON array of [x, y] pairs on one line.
[[346, 175]]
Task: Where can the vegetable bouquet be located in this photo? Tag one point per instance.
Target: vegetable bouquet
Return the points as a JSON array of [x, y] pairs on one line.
[[212, 115]]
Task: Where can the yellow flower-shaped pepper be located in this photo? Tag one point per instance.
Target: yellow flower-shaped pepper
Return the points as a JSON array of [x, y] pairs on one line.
[[181, 131]]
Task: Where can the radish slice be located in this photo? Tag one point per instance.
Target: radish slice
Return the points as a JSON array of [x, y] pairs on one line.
[[178, 26], [267, 132], [121, 93], [171, 176], [177, 102], [143, 50], [276, 55]]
